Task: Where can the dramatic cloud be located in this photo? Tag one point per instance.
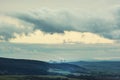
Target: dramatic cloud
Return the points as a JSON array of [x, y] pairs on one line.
[[105, 25], [48, 20], [60, 21]]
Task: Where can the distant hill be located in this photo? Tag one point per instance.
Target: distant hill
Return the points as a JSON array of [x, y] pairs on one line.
[[110, 67], [32, 67]]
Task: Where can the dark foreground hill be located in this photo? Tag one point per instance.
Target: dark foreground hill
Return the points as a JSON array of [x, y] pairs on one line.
[[32, 67], [17, 66], [35, 77]]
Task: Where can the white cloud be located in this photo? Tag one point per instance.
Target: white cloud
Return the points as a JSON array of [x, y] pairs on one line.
[[1, 39], [57, 38]]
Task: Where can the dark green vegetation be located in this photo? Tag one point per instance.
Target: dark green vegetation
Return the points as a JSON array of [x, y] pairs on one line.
[[51, 77], [16, 77], [18, 69]]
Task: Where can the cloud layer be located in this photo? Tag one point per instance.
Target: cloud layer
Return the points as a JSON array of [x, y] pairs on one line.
[[69, 37], [58, 21]]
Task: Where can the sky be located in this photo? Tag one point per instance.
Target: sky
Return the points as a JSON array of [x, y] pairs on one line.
[[58, 52], [61, 22]]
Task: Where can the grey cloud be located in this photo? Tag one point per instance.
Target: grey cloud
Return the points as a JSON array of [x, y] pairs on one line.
[[7, 30], [47, 21], [59, 21]]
